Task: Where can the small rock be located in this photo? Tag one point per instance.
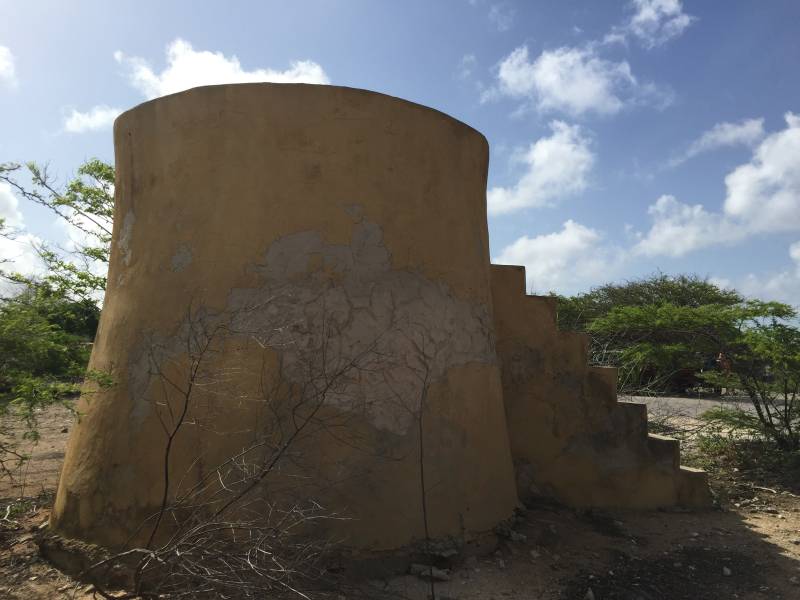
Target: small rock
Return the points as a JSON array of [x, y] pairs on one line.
[[589, 595], [517, 537], [726, 571], [535, 554], [65, 430], [501, 563]]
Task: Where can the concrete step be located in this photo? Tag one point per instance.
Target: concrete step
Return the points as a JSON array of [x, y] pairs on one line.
[[629, 420], [665, 450], [544, 307], [601, 386], [693, 490], [510, 278]]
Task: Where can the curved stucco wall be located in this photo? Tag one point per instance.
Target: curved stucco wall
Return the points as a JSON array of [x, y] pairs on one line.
[[292, 219]]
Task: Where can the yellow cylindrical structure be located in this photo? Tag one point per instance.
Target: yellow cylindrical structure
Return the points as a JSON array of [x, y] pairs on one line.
[[313, 238]]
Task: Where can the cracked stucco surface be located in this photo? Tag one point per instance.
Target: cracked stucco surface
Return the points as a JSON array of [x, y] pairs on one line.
[[271, 209], [407, 329]]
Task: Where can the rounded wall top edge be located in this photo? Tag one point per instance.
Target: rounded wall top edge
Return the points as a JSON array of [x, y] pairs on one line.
[[311, 88]]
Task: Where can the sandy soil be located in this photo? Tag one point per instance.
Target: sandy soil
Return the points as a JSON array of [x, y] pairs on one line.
[[748, 549]]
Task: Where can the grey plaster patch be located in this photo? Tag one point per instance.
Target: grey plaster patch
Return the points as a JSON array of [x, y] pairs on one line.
[[356, 211], [408, 329], [325, 306], [124, 242], [182, 258]]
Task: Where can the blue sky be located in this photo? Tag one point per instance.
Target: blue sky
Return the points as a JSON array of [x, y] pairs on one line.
[[626, 137]]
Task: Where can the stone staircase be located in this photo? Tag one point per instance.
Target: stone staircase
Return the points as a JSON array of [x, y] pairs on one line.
[[570, 437]]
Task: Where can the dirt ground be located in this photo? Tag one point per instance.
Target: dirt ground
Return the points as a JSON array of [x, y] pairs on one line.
[[749, 548]]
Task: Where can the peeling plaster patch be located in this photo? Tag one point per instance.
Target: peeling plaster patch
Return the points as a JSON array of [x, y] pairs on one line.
[[404, 331], [182, 258], [154, 351], [124, 242], [412, 328], [356, 211]]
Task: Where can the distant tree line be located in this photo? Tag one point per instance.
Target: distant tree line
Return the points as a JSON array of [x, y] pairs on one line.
[[677, 335]]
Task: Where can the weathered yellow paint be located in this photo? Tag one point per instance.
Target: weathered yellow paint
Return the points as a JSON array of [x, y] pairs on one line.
[[567, 431], [278, 214]]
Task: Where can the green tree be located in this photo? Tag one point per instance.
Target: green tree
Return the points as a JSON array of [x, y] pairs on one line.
[[85, 204], [576, 312], [661, 332], [48, 321], [765, 363]]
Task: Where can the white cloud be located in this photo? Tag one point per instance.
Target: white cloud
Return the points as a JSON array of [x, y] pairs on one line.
[[745, 133], [572, 80], [653, 23], [555, 166], [8, 74], [763, 196], [794, 254], [98, 117], [783, 286], [680, 228], [466, 66], [765, 193], [187, 68], [565, 261], [17, 253], [502, 16], [9, 207]]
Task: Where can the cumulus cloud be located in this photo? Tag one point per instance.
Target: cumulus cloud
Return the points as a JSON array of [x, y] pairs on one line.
[[679, 229], [97, 118], [794, 254], [8, 74], [653, 23], [763, 196], [17, 253], [572, 80], [9, 207], [555, 166], [566, 261], [783, 286], [765, 192], [502, 16], [744, 133], [187, 68]]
